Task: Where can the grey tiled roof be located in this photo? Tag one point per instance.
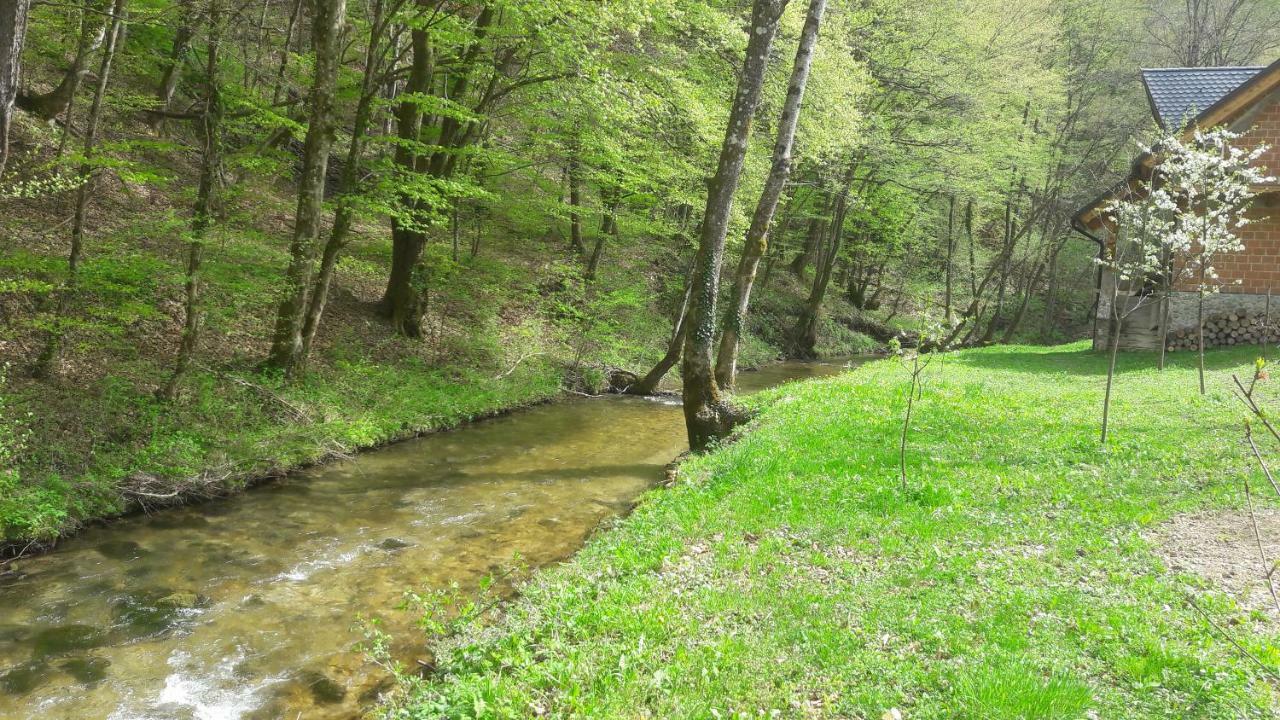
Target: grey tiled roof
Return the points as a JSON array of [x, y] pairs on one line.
[[1178, 95]]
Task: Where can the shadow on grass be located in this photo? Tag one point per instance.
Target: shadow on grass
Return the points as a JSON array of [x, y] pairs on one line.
[[1083, 361]]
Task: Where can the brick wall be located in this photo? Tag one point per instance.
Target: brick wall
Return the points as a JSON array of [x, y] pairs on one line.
[[1258, 267], [1262, 126]]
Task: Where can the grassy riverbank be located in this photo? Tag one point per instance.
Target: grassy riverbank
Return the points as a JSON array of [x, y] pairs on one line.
[[1020, 575], [237, 429]]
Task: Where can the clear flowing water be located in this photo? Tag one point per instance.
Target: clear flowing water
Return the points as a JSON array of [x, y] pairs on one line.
[[245, 608]]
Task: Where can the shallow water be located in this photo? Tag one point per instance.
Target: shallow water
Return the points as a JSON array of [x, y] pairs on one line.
[[245, 608]]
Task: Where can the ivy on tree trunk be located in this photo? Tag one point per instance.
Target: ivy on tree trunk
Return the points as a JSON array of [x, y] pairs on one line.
[[758, 235], [707, 417]]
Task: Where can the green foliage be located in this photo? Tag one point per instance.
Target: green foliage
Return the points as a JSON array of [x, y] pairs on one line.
[[835, 340], [922, 99]]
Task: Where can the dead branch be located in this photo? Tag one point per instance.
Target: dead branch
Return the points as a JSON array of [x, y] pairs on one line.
[[519, 360], [298, 413], [1243, 650], [1267, 567]]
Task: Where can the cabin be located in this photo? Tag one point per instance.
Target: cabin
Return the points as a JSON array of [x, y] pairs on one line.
[[1247, 101]]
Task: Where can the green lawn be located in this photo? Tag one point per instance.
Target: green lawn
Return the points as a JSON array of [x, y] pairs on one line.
[[787, 575]]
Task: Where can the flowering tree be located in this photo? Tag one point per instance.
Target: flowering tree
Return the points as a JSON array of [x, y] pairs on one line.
[[1145, 221], [1208, 184]]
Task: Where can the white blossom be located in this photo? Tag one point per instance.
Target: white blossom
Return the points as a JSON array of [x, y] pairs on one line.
[[1190, 212]]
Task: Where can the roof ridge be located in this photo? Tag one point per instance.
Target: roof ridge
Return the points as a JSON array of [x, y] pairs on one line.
[[1202, 69]]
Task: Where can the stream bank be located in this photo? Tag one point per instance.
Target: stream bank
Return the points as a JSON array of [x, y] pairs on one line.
[[244, 608]]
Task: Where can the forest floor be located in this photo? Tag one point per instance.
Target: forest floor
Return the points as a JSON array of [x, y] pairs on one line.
[[1025, 571]]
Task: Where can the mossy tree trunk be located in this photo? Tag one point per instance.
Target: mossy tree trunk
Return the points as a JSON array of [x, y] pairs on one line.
[[757, 241], [401, 301], [286, 343], [707, 417], [344, 216]]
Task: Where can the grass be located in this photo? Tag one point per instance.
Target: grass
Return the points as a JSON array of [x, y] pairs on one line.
[[787, 574], [234, 429]]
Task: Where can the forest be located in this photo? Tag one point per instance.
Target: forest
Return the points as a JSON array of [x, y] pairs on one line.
[[247, 238], [233, 225]]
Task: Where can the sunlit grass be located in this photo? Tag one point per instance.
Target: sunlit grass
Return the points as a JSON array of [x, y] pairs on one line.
[[787, 574]]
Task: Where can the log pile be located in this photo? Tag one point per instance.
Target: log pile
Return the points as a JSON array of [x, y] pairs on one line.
[[1240, 327]]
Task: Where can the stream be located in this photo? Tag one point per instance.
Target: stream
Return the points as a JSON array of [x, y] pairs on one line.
[[246, 607]]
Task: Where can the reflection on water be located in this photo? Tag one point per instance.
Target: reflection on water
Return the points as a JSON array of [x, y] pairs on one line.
[[244, 608]]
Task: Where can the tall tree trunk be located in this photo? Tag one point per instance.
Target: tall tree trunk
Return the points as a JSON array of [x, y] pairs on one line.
[[770, 259], [758, 235], [93, 29], [13, 30], [973, 261], [173, 65], [453, 131], [1200, 333], [951, 247], [211, 161], [973, 312], [812, 239], [608, 226], [286, 342], [648, 384], [294, 16], [773, 249], [706, 416], [53, 346], [805, 336], [1005, 271], [343, 217], [1047, 231], [1050, 294], [1020, 181], [574, 177], [400, 302], [1022, 307], [1117, 324], [92, 32]]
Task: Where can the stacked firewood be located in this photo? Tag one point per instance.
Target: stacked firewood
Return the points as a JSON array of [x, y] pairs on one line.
[[1239, 327]]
